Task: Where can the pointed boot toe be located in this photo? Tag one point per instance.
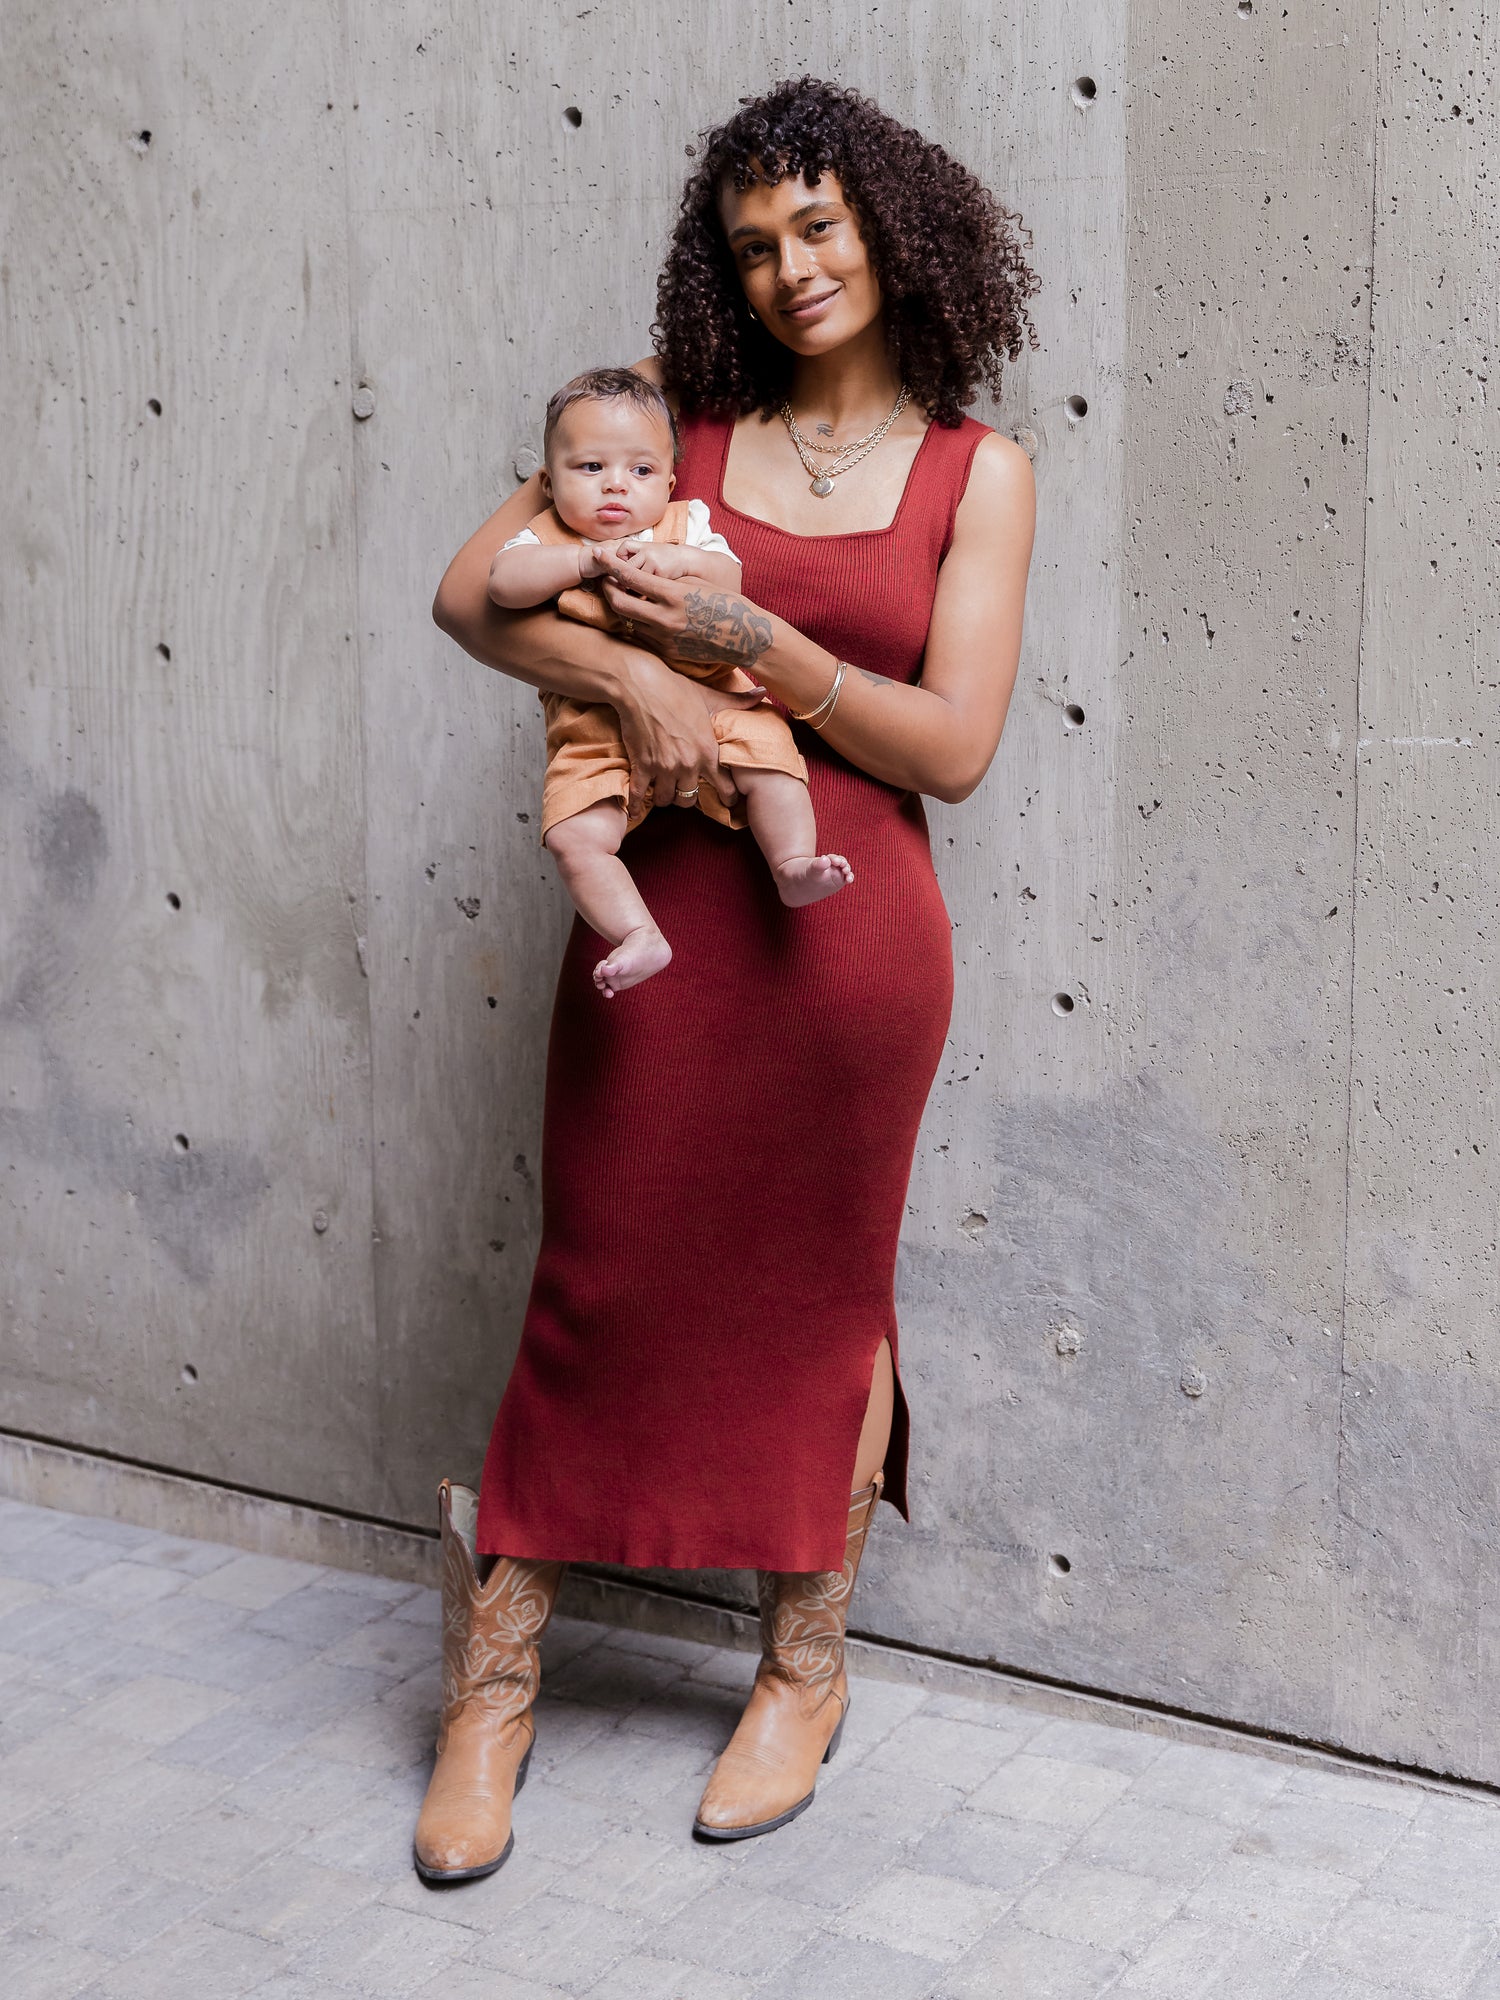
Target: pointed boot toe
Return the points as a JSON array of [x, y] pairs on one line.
[[460, 1859]]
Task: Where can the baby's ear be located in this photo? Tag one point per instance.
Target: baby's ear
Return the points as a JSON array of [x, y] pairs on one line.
[[544, 480], [671, 480]]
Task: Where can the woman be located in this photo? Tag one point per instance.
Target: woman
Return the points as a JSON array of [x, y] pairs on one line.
[[707, 1373]]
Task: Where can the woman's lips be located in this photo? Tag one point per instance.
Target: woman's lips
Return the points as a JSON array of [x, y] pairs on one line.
[[809, 309]]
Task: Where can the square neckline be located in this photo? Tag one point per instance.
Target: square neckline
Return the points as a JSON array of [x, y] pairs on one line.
[[834, 534]]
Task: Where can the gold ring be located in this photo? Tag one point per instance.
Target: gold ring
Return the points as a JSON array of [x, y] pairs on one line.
[[629, 628]]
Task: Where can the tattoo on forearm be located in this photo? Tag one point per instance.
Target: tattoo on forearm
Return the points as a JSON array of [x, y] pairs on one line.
[[874, 680], [722, 627]]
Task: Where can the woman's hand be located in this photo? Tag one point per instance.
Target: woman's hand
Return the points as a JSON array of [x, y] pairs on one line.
[[668, 732], [686, 617]]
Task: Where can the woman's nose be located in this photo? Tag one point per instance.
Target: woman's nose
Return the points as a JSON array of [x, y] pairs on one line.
[[796, 262]]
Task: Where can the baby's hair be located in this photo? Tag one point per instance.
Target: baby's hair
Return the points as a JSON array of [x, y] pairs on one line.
[[606, 385]]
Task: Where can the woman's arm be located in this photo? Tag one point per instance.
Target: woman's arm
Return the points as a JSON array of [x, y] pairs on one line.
[[940, 736], [665, 719]]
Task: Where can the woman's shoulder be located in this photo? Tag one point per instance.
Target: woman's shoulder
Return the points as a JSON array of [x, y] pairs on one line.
[[999, 468], [971, 470], [997, 496], [981, 442], [650, 368]]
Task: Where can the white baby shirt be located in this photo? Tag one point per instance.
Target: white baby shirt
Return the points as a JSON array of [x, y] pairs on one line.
[[700, 534]]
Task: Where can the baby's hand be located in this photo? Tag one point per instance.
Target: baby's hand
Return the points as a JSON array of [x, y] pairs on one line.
[[591, 558]]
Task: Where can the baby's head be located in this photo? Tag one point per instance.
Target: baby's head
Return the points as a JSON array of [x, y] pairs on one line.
[[610, 444]]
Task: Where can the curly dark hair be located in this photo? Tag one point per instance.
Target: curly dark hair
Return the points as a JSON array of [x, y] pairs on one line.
[[948, 257]]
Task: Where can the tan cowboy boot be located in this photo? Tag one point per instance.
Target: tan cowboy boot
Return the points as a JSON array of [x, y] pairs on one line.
[[491, 1672], [795, 1714]]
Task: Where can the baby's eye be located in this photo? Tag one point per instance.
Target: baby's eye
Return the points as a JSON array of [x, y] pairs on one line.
[[645, 471], [591, 465]]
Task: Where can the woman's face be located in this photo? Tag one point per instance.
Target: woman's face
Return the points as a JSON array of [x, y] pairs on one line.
[[802, 261]]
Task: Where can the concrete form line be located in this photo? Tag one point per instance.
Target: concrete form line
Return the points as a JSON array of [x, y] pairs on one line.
[[1414, 743], [44, 1473], [1359, 689]]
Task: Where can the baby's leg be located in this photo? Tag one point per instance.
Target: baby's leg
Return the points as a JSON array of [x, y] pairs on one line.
[[786, 831], [586, 849]]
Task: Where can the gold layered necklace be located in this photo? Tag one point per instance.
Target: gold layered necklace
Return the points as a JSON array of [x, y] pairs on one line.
[[840, 457]]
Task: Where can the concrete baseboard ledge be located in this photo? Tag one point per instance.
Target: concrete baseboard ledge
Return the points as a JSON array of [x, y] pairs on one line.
[[83, 1482], [79, 1482]]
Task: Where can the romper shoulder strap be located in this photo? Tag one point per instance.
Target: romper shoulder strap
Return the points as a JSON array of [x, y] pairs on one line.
[[549, 528], [673, 525]]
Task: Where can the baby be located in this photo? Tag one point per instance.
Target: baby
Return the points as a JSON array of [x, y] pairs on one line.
[[609, 445]]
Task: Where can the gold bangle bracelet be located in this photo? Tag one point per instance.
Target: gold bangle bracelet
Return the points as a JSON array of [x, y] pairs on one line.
[[827, 716], [819, 713]]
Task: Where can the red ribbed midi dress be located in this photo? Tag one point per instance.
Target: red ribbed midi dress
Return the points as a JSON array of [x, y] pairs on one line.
[[726, 1148]]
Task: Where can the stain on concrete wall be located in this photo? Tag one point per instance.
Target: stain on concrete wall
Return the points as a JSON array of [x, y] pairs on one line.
[[1198, 1282]]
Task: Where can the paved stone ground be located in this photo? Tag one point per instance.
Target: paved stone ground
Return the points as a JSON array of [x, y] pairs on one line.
[[210, 1763]]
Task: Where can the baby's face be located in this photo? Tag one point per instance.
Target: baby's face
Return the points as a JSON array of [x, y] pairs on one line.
[[610, 469]]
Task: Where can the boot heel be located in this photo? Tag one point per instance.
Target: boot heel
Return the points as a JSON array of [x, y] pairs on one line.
[[525, 1765], [835, 1739]]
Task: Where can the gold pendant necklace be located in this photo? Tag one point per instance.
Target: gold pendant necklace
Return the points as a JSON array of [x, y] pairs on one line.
[[840, 457]]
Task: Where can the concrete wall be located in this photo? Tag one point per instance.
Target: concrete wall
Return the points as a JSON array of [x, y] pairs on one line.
[[1198, 1286]]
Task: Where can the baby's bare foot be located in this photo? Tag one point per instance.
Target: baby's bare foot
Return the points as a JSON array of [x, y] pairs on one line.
[[811, 877], [638, 954]]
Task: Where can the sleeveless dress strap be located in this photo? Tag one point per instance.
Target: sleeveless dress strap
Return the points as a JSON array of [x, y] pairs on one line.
[[943, 476]]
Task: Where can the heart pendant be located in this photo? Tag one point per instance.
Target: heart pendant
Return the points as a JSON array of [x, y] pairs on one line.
[[822, 485]]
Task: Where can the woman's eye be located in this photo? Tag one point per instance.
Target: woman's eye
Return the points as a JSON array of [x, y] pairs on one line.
[[818, 225]]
